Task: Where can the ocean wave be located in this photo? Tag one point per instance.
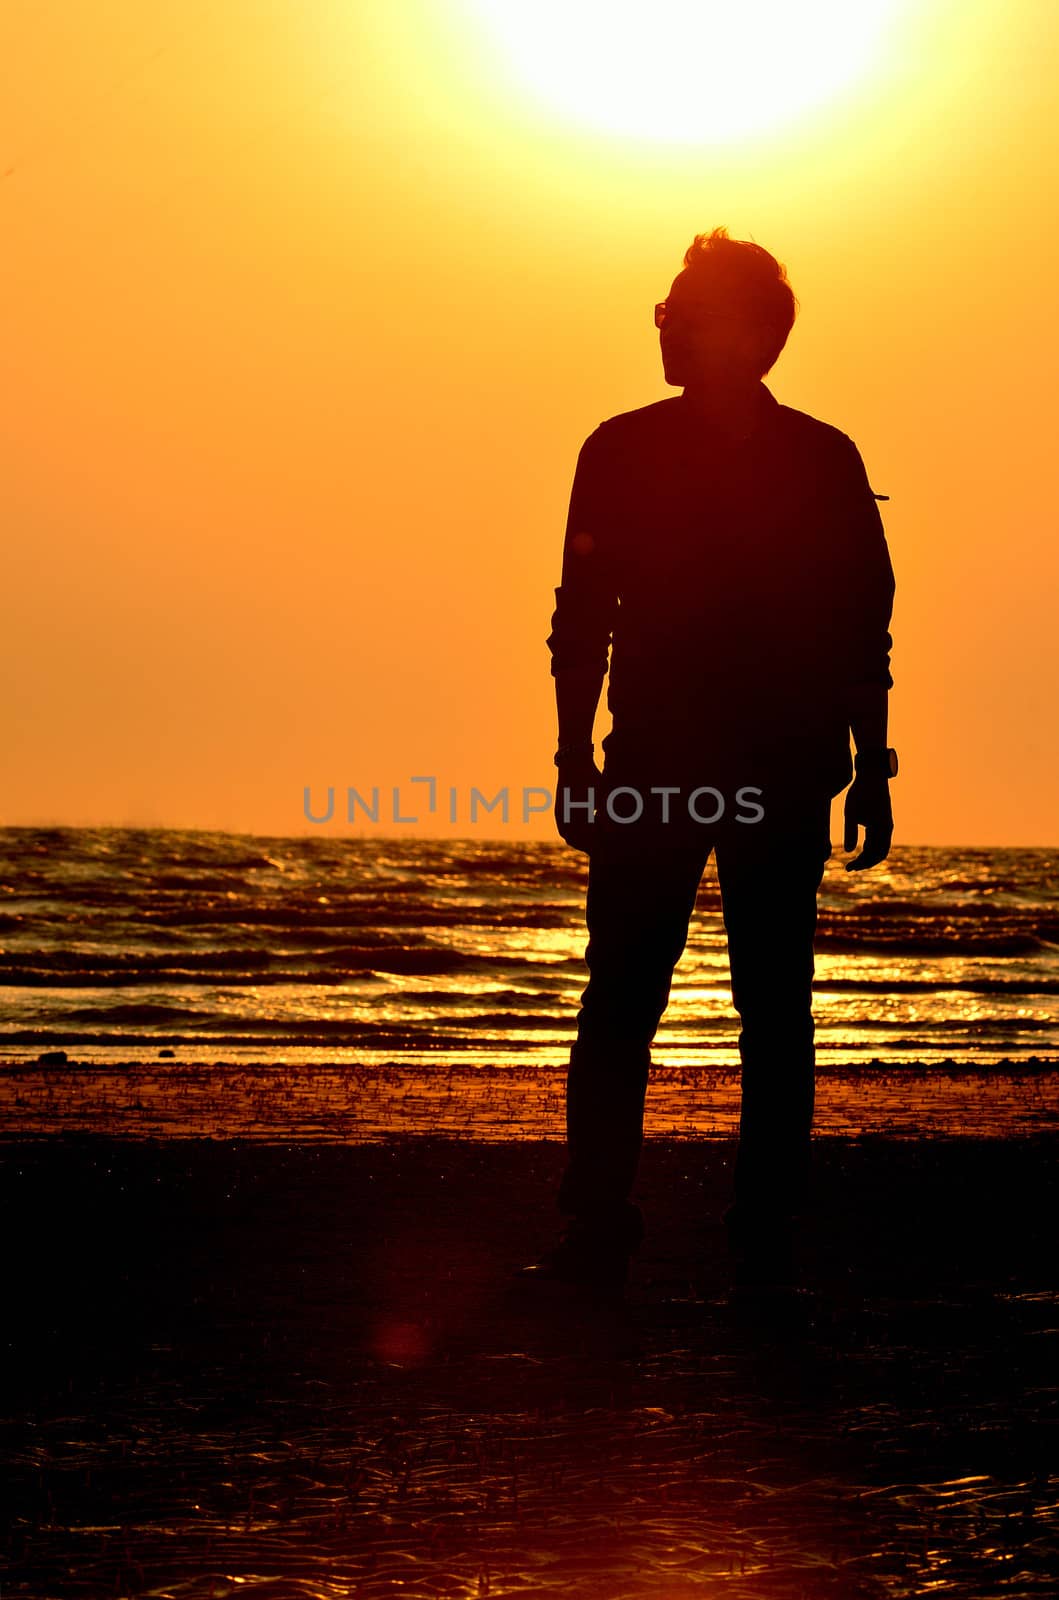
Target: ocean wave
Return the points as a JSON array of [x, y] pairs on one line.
[[146, 1012], [891, 985], [927, 942]]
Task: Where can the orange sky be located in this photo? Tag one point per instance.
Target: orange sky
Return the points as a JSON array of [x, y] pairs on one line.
[[307, 308]]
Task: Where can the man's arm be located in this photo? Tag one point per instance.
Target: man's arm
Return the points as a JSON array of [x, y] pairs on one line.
[[585, 610], [868, 709], [870, 597], [577, 691], [586, 601]]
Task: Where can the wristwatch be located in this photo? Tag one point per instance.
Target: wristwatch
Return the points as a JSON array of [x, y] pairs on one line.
[[876, 763], [582, 747]]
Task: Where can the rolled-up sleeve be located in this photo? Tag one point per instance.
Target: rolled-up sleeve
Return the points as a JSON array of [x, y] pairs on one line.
[[868, 586], [586, 601]]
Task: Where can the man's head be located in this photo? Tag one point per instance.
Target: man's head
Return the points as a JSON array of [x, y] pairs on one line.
[[728, 314]]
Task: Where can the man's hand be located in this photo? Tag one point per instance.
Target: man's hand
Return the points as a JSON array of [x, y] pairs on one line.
[[577, 775], [868, 803]]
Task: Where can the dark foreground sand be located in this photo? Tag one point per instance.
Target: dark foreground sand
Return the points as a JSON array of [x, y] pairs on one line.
[[305, 1370]]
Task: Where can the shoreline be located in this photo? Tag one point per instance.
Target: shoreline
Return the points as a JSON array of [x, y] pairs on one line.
[[349, 1102]]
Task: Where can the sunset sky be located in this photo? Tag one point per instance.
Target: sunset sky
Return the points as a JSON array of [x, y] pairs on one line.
[[309, 304]]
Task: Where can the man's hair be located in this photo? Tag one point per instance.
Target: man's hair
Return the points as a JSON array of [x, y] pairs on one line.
[[755, 281]]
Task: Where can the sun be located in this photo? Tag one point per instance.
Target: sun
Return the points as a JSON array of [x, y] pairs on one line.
[[687, 70]]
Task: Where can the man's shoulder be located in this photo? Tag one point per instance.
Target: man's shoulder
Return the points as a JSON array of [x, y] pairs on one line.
[[640, 423], [662, 417], [810, 430]]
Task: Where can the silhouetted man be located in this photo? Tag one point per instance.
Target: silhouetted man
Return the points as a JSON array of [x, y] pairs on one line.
[[729, 552]]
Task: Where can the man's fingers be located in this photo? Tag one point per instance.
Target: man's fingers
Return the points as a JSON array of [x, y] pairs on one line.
[[876, 849], [849, 824], [576, 833]]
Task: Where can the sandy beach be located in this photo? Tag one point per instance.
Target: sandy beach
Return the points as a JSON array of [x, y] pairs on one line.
[[302, 1369]]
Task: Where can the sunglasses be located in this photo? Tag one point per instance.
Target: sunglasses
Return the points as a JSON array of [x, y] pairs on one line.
[[661, 312]]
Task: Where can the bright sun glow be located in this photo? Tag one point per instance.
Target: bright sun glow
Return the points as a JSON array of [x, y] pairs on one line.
[[687, 70]]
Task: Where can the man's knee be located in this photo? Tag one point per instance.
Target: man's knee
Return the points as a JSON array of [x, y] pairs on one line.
[[777, 1029], [617, 1028], [625, 1002], [779, 999]]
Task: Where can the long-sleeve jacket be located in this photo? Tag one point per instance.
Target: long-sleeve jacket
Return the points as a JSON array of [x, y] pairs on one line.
[[741, 589]]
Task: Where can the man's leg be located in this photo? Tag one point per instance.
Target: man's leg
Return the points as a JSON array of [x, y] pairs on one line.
[[769, 882], [637, 910]]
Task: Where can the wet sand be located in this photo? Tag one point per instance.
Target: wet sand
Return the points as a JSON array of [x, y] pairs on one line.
[[305, 1369]]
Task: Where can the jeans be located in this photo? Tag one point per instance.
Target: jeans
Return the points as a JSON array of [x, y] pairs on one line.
[[641, 894]]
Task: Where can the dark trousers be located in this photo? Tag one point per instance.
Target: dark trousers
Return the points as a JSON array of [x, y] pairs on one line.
[[638, 908]]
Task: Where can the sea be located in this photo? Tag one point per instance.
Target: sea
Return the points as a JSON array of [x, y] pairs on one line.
[[417, 961]]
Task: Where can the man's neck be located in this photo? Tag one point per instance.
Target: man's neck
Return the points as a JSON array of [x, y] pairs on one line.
[[734, 410]]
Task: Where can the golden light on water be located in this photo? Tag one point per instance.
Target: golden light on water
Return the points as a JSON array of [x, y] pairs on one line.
[[687, 70]]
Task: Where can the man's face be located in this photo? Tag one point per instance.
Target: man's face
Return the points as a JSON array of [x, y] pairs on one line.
[[704, 338]]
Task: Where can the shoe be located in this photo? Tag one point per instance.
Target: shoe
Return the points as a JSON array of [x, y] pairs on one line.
[[582, 1257]]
